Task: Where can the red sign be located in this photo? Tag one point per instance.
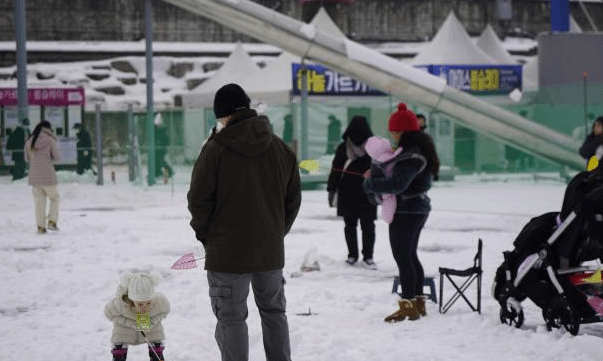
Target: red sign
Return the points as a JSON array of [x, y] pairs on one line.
[[45, 96]]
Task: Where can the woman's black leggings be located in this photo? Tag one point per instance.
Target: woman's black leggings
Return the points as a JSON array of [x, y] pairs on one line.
[[404, 234]]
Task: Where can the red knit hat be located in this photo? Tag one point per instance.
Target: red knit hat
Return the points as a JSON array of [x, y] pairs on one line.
[[404, 120]]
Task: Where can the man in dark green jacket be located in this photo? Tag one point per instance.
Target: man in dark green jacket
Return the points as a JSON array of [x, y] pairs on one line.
[[84, 149], [15, 144], [244, 196]]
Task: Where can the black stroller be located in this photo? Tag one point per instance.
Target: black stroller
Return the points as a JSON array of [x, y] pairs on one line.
[[546, 263]]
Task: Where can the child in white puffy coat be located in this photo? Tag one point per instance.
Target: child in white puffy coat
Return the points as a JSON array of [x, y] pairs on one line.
[[136, 312]]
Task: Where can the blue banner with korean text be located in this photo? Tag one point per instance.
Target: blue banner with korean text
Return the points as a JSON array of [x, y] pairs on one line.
[[323, 81], [480, 79]]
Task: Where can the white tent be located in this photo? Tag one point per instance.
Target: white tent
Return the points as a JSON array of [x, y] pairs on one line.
[[323, 21], [574, 27], [235, 69], [272, 84], [491, 45], [530, 74], [452, 46]]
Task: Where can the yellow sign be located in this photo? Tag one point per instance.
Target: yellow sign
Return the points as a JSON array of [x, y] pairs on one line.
[[484, 79], [593, 163], [143, 322], [594, 279], [311, 165], [315, 83]]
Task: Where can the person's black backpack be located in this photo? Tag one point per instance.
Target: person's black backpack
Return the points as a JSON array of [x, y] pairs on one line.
[[536, 232]]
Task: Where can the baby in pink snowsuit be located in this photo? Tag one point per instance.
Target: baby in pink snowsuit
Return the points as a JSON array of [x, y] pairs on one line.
[[380, 150]]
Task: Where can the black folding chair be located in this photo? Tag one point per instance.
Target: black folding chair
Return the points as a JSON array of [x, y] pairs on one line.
[[470, 274]]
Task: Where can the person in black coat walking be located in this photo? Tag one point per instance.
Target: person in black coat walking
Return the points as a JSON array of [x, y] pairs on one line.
[[593, 140], [162, 143], [84, 149], [15, 144], [345, 184]]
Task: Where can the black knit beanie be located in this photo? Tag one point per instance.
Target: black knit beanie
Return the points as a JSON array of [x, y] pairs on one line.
[[229, 99]]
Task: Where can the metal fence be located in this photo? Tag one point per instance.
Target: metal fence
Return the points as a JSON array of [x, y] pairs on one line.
[[124, 133]]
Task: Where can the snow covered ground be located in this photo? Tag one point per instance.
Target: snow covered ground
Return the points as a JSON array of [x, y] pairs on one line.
[[56, 285]]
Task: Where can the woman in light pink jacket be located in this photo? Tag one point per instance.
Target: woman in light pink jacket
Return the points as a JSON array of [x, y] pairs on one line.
[[41, 152]]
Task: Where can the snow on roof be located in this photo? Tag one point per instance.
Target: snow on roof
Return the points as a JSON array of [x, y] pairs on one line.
[[452, 45], [491, 45]]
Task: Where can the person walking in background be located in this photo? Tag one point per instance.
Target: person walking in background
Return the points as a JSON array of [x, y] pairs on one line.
[[422, 122], [136, 312], [593, 141], [162, 142], [333, 134], [244, 195], [288, 131], [15, 144], [414, 170], [41, 152], [84, 149], [345, 184]]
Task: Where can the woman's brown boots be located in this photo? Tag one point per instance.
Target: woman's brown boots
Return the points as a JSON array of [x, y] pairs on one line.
[[409, 309], [419, 302]]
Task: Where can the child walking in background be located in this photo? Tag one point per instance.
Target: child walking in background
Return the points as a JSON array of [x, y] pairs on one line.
[[136, 312]]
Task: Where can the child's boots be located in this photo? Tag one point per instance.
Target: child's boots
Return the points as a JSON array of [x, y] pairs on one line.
[[119, 352], [155, 351]]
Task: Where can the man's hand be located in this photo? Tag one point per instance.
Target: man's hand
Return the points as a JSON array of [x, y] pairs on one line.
[[332, 199]]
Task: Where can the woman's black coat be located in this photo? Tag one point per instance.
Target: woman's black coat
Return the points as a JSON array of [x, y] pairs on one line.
[[351, 198]]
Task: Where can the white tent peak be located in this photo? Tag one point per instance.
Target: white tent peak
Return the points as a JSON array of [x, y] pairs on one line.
[[489, 42], [235, 69], [574, 27], [452, 45], [323, 21], [273, 83], [531, 74]]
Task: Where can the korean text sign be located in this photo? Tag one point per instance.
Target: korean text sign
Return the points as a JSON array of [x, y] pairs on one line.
[[323, 81]]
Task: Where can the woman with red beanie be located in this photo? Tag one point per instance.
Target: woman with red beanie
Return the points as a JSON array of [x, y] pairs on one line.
[[413, 172]]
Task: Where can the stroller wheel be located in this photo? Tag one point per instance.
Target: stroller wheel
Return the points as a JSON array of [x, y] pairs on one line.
[[560, 314], [511, 317]]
